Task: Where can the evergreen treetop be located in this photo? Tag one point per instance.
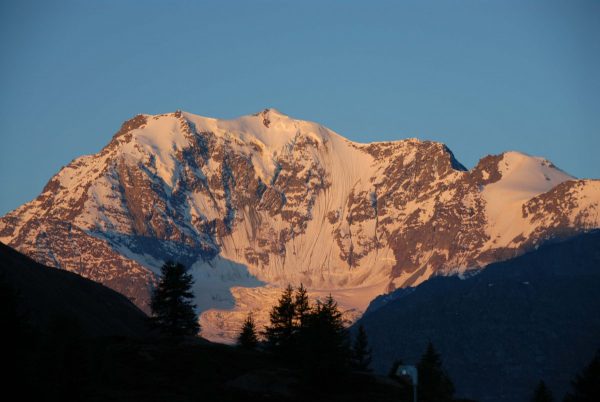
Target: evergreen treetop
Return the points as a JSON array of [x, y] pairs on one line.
[[434, 384], [314, 336], [248, 338], [281, 329], [302, 307], [172, 309]]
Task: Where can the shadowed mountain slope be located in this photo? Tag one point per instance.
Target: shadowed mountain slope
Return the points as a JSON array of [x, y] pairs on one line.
[[47, 294], [500, 332]]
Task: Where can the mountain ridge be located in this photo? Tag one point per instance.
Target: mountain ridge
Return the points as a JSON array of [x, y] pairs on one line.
[[254, 203]]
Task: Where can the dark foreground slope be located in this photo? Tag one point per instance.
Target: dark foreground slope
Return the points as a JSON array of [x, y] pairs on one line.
[[48, 294], [499, 332], [65, 338]]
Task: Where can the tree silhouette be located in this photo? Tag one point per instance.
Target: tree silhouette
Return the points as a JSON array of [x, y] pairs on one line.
[[586, 386], [434, 384], [281, 329], [172, 309], [361, 352], [248, 338], [325, 350], [312, 337], [301, 307], [542, 393]]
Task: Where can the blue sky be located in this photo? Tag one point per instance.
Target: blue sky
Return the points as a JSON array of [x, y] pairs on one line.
[[481, 76]]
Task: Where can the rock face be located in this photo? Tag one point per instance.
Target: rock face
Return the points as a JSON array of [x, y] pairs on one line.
[[500, 332], [264, 200]]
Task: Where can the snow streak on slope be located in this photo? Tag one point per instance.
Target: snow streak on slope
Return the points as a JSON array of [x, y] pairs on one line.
[[254, 203]]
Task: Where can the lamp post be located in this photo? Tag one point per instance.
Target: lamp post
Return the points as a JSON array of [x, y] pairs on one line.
[[413, 373]]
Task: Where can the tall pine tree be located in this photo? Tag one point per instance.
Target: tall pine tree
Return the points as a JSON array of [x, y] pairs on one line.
[[281, 329], [434, 384], [325, 349], [301, 307], [172, 309]]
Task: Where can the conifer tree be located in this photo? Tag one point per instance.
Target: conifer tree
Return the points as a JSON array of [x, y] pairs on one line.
[[248, 338], [434, 384], [586, 386], [542, 393], [325, 346], [331, 320], [361, 352], [172, 309], [301, 307], [281, 329]]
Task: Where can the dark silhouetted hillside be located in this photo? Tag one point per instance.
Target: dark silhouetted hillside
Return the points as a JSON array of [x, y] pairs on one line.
[[535, 317], [47, 294], [66, 338]]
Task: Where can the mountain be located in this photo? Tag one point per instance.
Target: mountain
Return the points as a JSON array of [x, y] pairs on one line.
[[531, 318], [46, 295], [254, 203]]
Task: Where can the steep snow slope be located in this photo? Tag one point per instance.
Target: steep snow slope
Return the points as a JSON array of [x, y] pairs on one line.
[[254, 203], [523, 177]]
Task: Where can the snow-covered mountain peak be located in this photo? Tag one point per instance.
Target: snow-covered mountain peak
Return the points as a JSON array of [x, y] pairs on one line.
[[523, 173], [269, 199], [272, 112], [269, 128], [516, 179]]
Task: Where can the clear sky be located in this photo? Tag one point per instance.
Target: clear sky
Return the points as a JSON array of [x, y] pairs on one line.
[[481, 76]]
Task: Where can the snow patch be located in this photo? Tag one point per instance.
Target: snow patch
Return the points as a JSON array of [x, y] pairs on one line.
[[523, 177]]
